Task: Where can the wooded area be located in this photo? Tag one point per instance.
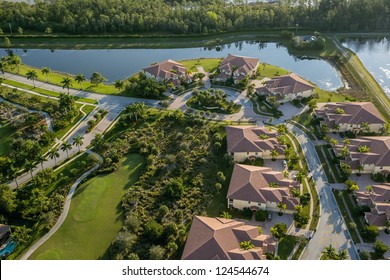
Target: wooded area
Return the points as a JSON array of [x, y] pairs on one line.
[[190, 17]]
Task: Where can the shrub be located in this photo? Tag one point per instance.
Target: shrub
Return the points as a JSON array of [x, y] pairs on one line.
[[261, 215]]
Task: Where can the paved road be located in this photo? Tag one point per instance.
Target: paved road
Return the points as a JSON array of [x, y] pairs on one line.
[[113, 104], [331, 227]]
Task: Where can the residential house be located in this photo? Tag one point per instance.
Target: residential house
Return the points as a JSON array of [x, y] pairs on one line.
[[378, 199], [366, 154], [4, 235], [169, 71], [349, 116], [236, 67], [286, 88], [219, 239], [245, 142], [262, 188]]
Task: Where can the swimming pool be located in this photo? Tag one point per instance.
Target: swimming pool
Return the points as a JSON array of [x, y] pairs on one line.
[[7, 250]]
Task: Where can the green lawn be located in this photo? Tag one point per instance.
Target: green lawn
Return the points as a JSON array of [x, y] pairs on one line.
[[328, 96], [95, 216], [286, 245], [6, 137], [209, 64], [271, 71]]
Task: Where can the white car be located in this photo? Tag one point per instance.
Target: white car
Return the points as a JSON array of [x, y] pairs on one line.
[[284, 163]]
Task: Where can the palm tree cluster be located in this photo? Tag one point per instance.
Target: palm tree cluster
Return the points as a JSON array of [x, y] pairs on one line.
[[329, 253]]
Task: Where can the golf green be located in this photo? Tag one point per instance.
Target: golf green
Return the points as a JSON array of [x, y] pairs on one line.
[[95, 216]]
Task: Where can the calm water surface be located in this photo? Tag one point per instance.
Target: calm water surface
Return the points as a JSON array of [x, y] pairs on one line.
[[117, 64], [375, 55]]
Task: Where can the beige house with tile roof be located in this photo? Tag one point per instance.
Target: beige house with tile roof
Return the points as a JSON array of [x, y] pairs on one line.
[[245, 142], [219, 239], [349, 116], [375, 160], [237, 67], [379, 202], [168, 70], [262, 188], [286, 88]]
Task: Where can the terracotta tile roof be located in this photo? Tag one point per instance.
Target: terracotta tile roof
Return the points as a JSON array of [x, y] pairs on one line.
[[379, 150], [242, 139], [252, 183], [218, 239], [376, 219], [284, 85], [167, 69], [243, 64], [354, 113]]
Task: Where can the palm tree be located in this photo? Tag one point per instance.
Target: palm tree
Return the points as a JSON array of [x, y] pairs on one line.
[[282, 207], [282, 128], [30, 167], [78, 141], [226, 215], [16, 61], [343, 255], [328, 253], [346, 141], [80, 78], [119, 85], [66, 83], [2, 67], [32, 75], [46, 71], [369, 189], [40, 160], [274, 154], [66, 147], [54, 154], [300, 176]]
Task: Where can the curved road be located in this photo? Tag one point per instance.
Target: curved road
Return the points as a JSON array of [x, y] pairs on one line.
[[332, 228]]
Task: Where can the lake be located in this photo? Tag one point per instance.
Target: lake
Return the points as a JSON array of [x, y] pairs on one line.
[[375, 55], [115, 64]]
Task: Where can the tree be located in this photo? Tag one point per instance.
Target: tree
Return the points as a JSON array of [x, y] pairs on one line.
[[119, 85], [365, 128], [246, 245], [380, 249], [2, 67], [46, 71], [8, 202], [66, 147], [40, 160], [80, 78], [370, 232], [20, 30], [333, 142], [136, 110], [20, 234], [299, 217], [226, 215], [274, 154], [54, 154], [282, 207], [15, 61], [342, 255], [153, 231], [312, 105], [32, 75], [282, 129], [156, 252], [48, 31], [78, 141], [97, 78], [13, 174], [279, 230], [300, 176], [7, 42], [351, 185], [329, 253], [66, 83], [30, 167]]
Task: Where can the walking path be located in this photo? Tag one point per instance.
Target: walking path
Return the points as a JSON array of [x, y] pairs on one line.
[[333, 228], [65, 211], [46, 115]]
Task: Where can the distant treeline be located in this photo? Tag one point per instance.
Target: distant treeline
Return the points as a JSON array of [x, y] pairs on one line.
[[195, 17]]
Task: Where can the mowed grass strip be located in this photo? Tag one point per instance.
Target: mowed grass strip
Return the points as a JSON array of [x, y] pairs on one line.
[[95, 216]]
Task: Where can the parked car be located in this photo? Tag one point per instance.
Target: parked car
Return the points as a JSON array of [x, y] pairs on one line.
[[284, 163]]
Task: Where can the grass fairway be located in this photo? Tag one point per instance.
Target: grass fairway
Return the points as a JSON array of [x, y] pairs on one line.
[[95, 216], [6, 137]]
